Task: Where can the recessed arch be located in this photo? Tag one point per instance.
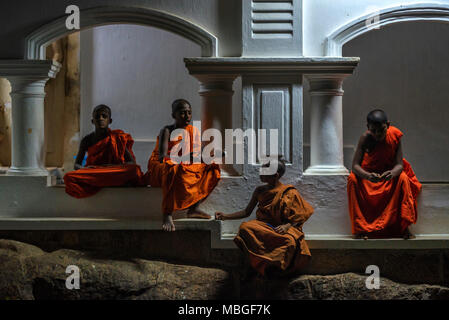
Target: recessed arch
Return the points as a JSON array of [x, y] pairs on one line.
[[404, 13], [40, 38]]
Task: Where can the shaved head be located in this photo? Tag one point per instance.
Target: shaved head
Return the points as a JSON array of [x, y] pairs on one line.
[[178, 104], [101, 107], [377, 117]]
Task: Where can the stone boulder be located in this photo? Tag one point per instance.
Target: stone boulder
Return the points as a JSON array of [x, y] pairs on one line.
[[30, 273], [27, 272], [345, 286]]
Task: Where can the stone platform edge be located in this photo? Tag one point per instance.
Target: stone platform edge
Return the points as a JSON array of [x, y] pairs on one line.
[[218, 239]]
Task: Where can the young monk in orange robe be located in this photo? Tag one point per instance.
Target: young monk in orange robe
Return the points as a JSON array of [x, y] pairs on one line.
[[186, 183], [274, 243], [110, 160], [382, 187]]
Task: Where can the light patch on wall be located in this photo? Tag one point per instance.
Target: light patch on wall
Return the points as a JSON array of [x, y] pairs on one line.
[[75, 138]]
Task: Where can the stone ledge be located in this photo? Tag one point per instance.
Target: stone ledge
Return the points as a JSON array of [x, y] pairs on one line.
[[233, 66], [219, 240], [347, 242]]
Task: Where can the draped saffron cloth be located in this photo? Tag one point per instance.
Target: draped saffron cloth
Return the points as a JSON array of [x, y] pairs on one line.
[[384, 208], [86, 182], [268, 249], [183, 184]]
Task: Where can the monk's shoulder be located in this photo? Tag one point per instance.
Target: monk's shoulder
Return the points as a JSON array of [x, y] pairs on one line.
[[88, 140], [395, 132], [166, 129], [261, 189], [365, 137]]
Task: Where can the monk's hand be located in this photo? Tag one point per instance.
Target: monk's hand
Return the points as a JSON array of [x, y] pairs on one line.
[[283, 228], [374, 177], [220, 216], [387, 175]]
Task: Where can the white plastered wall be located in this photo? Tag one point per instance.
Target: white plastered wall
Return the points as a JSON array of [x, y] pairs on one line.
[[327, 193], [323, 17]]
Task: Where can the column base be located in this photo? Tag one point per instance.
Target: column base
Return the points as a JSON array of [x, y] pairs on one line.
[[227, 170], [13, 171], [326, 170]]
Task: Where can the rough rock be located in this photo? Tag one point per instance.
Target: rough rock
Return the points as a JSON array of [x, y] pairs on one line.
[[27, 272], [346, 286], [30, 273]]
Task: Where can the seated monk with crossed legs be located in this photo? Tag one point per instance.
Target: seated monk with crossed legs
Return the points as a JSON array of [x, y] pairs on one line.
[[110, 160], [382, 187], [273, 243]]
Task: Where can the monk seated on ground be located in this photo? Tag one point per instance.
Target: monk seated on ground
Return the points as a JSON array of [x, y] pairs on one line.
[[185, 184], [274, 243], [382, 187], [110, 160]]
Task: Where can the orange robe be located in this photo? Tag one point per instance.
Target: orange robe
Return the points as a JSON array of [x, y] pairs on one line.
[[86, 182], [182, 184], [385, 208], [268, 249]]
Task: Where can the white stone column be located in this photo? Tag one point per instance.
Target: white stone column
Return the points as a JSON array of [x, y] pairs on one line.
[[216, 108], [28, 80], [326, 138]]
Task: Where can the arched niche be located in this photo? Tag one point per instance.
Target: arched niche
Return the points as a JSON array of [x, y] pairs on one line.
[[384, 17], [42, 37]]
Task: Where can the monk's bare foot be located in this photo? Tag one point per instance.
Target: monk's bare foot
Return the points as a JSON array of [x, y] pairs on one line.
[[197, 214], [361, 236], [168, 224]]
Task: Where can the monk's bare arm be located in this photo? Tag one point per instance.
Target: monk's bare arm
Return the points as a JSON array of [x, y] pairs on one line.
[[357, 162], [243, 213], [164, 136], [397, 168], [81, 152]]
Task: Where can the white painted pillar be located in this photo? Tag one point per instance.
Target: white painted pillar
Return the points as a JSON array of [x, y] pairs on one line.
[[326, 138], [216, 108], [28, 78]]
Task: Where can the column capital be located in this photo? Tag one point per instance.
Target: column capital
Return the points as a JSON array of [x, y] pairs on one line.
[[326, 84], [212, 86], [31, 70], [217, 79]]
